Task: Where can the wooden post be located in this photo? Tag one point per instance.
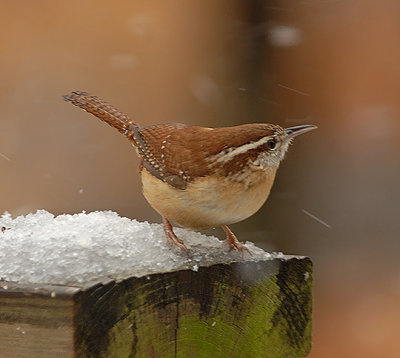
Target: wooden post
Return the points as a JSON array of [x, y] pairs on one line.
[[246, 309]]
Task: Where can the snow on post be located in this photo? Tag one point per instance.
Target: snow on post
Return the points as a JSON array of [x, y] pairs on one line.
[[99, 285]]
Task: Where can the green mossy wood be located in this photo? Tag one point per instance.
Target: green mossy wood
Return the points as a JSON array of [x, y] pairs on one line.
[[253, 309]]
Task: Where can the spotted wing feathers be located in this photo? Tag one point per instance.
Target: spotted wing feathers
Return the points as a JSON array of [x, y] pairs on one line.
[[176, 153], [183, 153]]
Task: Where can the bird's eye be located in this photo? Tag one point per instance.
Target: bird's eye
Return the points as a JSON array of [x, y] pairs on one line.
[[271, 144]]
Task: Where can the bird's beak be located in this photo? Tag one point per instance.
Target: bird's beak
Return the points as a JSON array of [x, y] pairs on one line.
[[297, 130]]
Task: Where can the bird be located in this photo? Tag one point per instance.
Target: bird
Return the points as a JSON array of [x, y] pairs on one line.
[[199, 177]]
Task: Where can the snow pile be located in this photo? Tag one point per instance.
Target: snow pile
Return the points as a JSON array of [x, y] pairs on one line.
[[76, 249]]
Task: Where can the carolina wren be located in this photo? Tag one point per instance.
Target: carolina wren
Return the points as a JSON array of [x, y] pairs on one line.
[[200, 177]]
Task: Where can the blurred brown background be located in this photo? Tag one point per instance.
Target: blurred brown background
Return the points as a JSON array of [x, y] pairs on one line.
[[218, 63]]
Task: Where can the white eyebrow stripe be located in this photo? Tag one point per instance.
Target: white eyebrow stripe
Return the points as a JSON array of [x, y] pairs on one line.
[[240, 150]]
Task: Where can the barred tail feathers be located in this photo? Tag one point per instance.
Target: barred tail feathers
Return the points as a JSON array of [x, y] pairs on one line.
[[102, 110]]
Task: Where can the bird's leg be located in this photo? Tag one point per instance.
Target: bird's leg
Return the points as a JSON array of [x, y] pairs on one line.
[[169, 232], [233, 242]]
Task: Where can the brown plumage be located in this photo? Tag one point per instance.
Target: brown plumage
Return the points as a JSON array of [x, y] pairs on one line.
[[200, 177], [101, 109], [177, 153]]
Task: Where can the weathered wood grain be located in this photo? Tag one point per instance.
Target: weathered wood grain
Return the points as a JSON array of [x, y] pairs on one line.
[[253, 309], [36, 320]]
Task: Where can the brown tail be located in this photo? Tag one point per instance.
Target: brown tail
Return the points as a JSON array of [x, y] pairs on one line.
[[102, 110]]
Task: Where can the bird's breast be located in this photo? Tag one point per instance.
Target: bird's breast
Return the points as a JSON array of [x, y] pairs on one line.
[[209, 201]]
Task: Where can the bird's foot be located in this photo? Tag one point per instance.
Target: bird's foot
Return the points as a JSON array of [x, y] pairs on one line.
[[169, 232], [233, 242]]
